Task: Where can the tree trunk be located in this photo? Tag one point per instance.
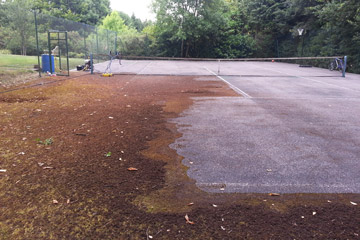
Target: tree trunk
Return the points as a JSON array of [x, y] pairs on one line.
[[187, 49], [182, 48]]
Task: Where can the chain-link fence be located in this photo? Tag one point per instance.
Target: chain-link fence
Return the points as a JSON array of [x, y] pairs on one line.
[[25, 32]]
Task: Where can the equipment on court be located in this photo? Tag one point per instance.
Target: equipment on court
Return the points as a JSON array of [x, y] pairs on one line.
[[107, 75], [337, 64], [85, 67], [111, 58]]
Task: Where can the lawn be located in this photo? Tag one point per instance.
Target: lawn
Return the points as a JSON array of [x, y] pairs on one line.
[[12, 62], [15, 62]]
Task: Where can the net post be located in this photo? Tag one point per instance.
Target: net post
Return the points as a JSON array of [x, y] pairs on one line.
[[344, 67], [91, 64]]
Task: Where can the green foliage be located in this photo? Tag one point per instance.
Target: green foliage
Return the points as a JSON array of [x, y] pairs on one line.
[[46, 142], [17, 28], [86, 11], [114, 23], [195, 28], [5, 51], [189, 28]]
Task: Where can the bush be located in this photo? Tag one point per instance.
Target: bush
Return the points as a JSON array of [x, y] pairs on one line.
[[76, 55], [5, 51]]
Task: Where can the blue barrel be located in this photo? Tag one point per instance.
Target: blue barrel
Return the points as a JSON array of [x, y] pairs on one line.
[[46, 63]]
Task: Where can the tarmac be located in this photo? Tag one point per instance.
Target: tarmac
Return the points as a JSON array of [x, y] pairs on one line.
[[291, 130]]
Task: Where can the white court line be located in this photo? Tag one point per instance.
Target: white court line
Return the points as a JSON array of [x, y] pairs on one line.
[[310, 79], [236, 89], [215, 185], [142, 70]]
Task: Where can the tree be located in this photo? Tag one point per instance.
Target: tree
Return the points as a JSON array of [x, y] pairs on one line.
[[85, 11], [18, 25], [114, 23], [189, 28]]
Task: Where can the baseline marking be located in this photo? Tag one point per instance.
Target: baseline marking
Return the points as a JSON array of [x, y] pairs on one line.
[[236, 89], [144, 68], [310, 79]]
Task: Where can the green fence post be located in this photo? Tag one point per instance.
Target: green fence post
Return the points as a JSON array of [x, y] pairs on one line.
[[37, 43], [49, 45], [67, 52], [59, 52], [107, 40], [115, 42], [91, 63], [85, 52], [97, 44]]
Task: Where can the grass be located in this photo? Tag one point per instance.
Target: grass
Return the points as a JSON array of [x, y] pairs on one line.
[[15, 62]]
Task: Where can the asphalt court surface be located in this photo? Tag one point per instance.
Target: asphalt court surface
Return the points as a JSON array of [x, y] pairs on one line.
[[292, 130]]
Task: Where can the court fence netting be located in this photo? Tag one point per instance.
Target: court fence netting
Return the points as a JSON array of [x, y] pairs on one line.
[[62, 46], [56, 45]]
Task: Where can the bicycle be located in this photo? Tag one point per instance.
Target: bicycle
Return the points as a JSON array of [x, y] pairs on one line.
[[337, 64]]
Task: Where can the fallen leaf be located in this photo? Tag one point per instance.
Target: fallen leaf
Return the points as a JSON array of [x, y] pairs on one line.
[[190, 204], [55, 201], [274, 194], [132, 169], [353, 203], [188, 220]]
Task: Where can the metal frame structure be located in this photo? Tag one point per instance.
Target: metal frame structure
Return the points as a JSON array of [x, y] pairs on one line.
[[59, 39]]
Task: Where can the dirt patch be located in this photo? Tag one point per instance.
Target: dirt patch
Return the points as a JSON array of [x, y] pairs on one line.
[[78, 186]]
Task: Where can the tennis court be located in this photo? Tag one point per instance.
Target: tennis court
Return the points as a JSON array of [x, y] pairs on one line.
[[291, 129]]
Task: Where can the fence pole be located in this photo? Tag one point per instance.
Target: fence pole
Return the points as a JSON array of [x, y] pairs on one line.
[[37, 43], [49, 45], [85, 46], [115, 50], [107, 40], [97, 44], [59, 52], [67, 52], [91, 63]]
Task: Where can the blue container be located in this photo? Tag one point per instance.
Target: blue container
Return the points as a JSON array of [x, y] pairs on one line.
[[46, 63]]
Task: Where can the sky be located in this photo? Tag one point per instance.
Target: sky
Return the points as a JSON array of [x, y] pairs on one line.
[[141, 8]]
